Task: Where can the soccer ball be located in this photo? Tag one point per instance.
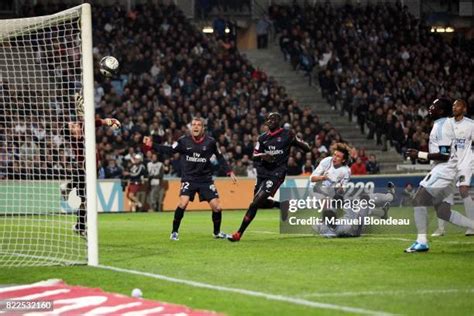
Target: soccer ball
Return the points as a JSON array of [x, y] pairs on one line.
[[109, 66], [137, 293]]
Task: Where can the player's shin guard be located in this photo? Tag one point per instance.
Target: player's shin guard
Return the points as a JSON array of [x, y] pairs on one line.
[[248, 218], [178, 216], [421, 222], [217, 219]]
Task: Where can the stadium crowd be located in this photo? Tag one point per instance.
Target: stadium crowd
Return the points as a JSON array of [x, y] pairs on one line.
[[171, 72], [377, 63]]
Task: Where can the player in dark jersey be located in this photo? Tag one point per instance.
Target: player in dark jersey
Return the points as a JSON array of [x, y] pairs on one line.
[[196, 151], [73, 132], [271, 155]]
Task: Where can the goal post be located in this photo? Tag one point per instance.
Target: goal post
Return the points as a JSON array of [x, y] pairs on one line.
[[47, 141], [89, 132]]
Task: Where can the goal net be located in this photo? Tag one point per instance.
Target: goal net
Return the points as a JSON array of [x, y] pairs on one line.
[[47, 140]]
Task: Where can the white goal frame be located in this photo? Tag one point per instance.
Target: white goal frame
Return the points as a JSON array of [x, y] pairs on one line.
[[21, 27]]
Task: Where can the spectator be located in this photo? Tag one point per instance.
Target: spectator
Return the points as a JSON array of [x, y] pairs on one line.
[[112, 171], [262, 29], [358, 168], [136, 176], [293, 168], [155, 176], [372, 166], [240, 169]]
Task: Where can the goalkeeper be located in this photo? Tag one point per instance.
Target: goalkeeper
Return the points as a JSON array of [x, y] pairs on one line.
[[74, 135]]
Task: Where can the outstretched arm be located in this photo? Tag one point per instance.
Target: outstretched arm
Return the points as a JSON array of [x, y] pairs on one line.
[[415, 154], [162, 149], [111, 122], [298, 142]]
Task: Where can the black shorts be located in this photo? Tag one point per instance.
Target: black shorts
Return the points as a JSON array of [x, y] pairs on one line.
[[268, 184], [207, 190]]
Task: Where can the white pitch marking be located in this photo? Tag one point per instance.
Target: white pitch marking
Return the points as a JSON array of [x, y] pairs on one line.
[[384, 293], [273, 297]]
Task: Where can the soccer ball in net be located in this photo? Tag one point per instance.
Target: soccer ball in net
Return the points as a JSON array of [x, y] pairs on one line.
[[109, 66]]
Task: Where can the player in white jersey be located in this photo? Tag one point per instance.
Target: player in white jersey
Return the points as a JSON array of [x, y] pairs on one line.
[[463, 132], [330, 179], [332, 173], [436, 188]]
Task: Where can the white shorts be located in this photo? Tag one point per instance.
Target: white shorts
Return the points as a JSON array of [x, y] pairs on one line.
[[463, 177], [439, 188]]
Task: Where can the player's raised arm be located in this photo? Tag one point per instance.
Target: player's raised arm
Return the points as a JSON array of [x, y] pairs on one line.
[[319, 174], [298, 142], [111, 122], [222, 161], [177, 146]]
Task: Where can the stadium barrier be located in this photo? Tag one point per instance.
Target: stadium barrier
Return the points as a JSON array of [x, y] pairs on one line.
[[112, 199], [239, 196]]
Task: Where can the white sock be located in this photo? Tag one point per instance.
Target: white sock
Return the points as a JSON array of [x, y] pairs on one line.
[[461, 220], [441, 224], [421, 222], [469, 207]]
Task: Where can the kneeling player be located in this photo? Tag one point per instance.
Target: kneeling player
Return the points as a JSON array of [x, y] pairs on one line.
[[196, 151]]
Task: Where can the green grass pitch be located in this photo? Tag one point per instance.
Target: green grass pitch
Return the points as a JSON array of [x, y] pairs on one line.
[[371, 273]]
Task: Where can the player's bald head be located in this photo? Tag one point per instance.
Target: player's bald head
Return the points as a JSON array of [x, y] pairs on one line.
[[461, 103]]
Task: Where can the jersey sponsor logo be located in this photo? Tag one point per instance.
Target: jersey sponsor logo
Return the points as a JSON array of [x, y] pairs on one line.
[[273, 151], [460, 143], [196, 157]]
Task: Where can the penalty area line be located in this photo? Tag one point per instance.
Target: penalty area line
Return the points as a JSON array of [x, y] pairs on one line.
[[273, 297]]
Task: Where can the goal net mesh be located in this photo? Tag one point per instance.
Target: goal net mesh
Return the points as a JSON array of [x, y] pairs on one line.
[[42, 168]]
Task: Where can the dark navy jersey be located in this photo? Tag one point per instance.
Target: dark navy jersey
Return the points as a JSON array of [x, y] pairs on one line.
[[196, 156], [277, 144]]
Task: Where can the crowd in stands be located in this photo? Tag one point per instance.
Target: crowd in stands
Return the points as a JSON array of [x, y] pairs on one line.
[[377, 64], [171, 72]]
